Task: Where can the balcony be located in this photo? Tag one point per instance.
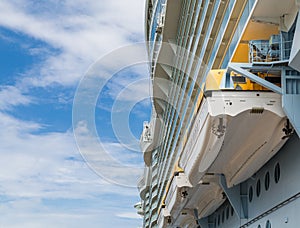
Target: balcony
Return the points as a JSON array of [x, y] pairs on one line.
[[142, 188], [149, 138], [144, 183], [154, 206], [146, 143], [139, 207], [153, 220]]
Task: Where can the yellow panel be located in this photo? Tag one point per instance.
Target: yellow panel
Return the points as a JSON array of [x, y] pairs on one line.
[[242, 54], [213, 79], [259, 31], [177, 168], [254, 31]]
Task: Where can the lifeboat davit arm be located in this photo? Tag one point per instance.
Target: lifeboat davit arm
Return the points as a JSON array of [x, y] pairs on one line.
[[237, 196]]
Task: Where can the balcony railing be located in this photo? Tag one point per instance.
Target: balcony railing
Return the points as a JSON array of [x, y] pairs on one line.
[[272, 50]]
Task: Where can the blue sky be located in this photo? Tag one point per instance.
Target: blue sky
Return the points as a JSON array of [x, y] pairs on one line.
[[46, 48]]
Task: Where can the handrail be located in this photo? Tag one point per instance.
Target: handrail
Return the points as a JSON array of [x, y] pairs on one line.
[[266, 51]]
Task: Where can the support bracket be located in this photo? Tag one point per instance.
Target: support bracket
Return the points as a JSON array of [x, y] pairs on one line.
[[236, 197], [203, 222], [291, 97], [290, 86], [238, 68], [227, 82]]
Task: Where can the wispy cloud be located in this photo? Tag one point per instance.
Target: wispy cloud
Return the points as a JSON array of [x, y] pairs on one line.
[[109, 160], [82, 31], [50, 158], [131, 85], [48, 166], [129, 215], [11, 96]]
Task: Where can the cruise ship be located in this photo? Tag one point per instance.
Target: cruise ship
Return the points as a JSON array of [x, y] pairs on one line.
[[222, 146]]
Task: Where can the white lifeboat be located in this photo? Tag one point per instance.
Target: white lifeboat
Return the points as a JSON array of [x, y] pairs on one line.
[[253, 132], [177, 193], [234, 133], [207, 196]]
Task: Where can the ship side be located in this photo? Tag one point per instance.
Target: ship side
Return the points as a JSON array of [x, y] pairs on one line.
[[221, 147]]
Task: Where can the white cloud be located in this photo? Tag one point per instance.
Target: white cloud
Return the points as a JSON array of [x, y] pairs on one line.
[[48, 166], [134, 85], [65, 69], [11, 96], [82, 30], [11, 127], [129, 215], [38, 159], [109, 160], [13, 217]]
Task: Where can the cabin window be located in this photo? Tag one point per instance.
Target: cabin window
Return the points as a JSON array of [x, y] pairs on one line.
[[250, 194], [267, 181], [268, 224], [277, 173], [258, 188]]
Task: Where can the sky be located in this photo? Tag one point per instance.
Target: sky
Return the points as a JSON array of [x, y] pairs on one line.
[[73, 98]]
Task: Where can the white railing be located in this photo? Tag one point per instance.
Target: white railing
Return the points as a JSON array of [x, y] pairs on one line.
[[141, 183], [268, 51]]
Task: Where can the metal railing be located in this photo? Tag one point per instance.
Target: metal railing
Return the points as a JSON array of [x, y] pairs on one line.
[[268, 51]]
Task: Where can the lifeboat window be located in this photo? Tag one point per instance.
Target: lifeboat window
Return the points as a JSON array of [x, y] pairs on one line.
[[277, 173], [250, 194], [227, 213], [258, 187], [267, 181], [268, 224], [232, 211]]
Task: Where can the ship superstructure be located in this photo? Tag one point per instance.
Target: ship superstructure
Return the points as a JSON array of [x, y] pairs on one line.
[[222, 141]]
